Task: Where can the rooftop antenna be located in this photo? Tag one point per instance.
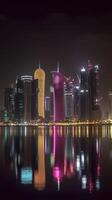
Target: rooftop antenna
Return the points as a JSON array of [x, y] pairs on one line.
[[39, 64], [78, 78], [89, 65], [57, 66]]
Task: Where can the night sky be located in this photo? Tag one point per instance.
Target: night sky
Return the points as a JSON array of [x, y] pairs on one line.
[[70, 34]]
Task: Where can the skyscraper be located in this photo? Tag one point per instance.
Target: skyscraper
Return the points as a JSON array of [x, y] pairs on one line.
[[76, 101], [34, 100], [47, 108], [40, 76], [27, 80], [110, 105], [89, 92], [93, 88], [69, 97], [51, 102], [58, 95], [9, 103], [84, 94], [19, 100]]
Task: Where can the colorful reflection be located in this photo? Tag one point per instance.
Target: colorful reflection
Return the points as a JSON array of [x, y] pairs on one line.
[[58, 154], [39, 174], [48, 158]]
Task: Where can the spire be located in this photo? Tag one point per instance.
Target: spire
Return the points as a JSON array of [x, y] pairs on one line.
[[57, 66], [89, 65], [39, 64]]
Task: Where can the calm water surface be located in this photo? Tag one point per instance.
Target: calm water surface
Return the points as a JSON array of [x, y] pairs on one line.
[[59, 160]]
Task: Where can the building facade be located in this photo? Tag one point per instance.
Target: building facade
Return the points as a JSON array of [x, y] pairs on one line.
[[34, 100], [84, 94], [40, 76], [9, 103], [58, 96], [19, 100], [89, 93], [27, 83], [69, 98]]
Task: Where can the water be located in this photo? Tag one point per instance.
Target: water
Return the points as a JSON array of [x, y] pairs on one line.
[[56, 161]]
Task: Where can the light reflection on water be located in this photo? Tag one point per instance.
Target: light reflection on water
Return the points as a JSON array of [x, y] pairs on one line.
[[58, 158]]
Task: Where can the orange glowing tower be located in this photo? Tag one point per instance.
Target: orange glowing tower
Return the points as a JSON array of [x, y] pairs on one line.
[[40, 76]]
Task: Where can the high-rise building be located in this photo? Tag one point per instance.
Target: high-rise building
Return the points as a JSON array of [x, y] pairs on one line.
[[69, 98], [93, 87], [27, 83], [110, 105], [51, 103], [89, 92], [76, 101], [34, 100], [9, 104], [47, 108], [84, 94], [58, 95], [19, 100], [40, 76]]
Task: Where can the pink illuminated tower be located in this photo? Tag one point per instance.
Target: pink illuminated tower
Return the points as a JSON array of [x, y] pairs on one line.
[[58, 95]]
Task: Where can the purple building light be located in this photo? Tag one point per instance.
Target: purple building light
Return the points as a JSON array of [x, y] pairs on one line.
[[58, 96]]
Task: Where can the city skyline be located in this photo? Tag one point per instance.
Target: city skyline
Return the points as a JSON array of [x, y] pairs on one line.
[[55, 99], [69, 98], [68, 34]]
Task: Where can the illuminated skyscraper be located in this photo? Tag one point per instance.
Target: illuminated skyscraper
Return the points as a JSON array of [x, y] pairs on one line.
[[51, 102], [69, 97], [34, 100], [84, 94], [58, 95], [76, 101], [27, 80], [40, 76], [89, 94], [93, 88], [110, 105], [47, 108], [19, 100], [9, 103]]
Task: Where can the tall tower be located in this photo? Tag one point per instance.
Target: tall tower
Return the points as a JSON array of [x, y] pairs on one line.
[[69, 97], [9, 103], [19, 100], [58, 97], [40, 76], [93, 87], [84, 94], [27, 80]]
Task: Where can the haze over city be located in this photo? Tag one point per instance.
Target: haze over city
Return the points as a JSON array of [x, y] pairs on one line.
[[70, 35]]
